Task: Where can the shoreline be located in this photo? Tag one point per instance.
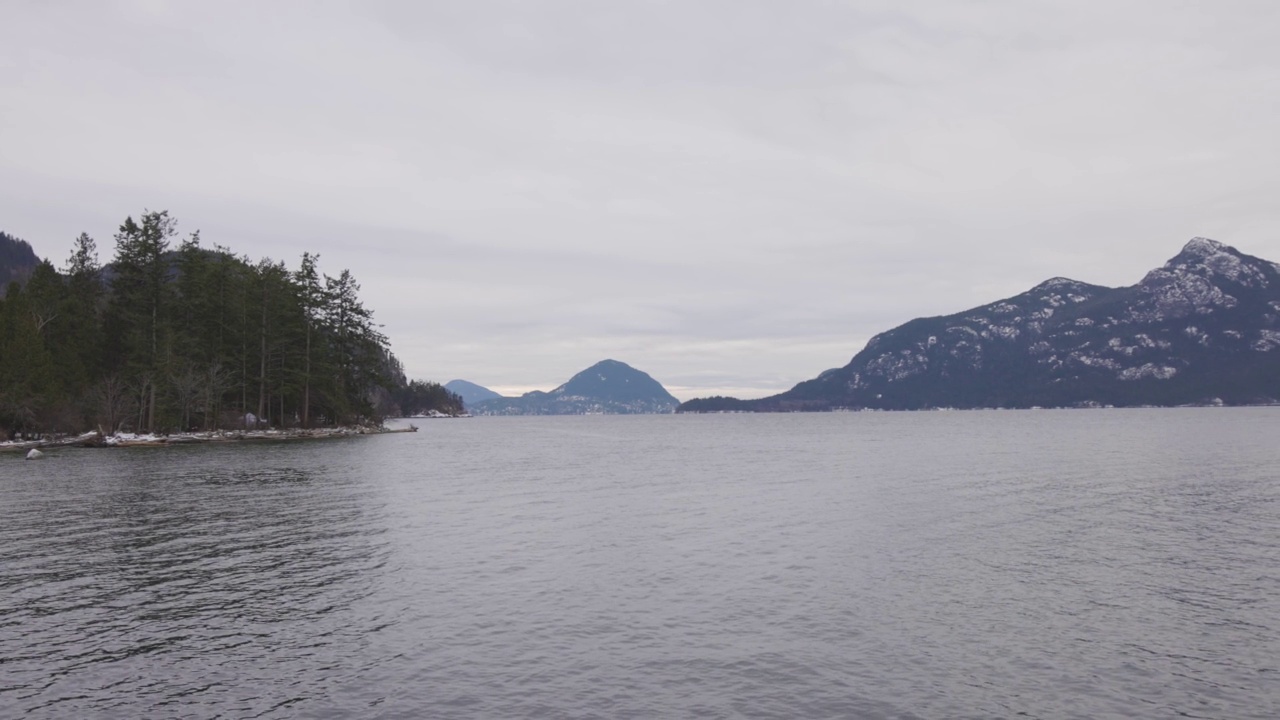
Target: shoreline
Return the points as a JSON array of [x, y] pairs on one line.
[[94, 439]]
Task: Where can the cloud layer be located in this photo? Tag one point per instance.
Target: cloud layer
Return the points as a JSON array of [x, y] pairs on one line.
[[731, 196]]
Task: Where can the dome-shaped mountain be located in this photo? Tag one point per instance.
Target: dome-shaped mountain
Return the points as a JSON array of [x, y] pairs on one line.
[[1203, 328], [608, 387], [470, 392]]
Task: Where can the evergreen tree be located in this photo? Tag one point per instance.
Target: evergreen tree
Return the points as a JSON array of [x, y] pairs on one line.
[[45, 296], [81, 315], [356, 343], [312, 299], [163, 339], [139, 304], [274, 296], [26, 368]]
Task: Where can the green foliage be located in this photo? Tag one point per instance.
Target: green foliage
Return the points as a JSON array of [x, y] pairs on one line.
[[183, 338], [27, 388], [420, 397], [715, 404]]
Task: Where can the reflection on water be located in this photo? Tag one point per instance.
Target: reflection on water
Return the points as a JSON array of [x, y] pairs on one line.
[[1051, 564]]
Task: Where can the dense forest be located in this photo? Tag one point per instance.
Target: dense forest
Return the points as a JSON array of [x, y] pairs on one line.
[[171, 335]]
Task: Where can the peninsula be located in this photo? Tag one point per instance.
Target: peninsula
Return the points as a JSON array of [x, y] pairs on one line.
[[172, 338]]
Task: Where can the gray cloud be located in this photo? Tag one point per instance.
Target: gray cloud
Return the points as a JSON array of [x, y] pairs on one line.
[[732, 196]]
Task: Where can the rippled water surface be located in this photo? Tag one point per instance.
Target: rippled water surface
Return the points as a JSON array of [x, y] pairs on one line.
[[890, 565]]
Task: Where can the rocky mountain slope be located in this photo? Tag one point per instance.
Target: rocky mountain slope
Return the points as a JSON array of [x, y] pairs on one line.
[[609, 387], [1202, 329]]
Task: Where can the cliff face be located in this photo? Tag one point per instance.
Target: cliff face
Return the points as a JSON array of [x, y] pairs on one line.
[[1202, 329]]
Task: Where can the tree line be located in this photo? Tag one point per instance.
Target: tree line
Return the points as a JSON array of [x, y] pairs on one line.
[[171, 335]]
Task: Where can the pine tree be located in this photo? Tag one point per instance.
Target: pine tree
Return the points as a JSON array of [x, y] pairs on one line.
[[26, 368], [356, 343], [271, 280], [81, 314], [312, 299], [139, 303], [163, 339]]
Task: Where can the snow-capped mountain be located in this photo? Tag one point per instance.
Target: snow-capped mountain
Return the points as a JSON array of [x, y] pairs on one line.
[[609, 387], [1202, 329]]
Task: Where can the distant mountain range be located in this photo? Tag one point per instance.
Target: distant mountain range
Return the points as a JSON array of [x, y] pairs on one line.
[[470, 392], [17, 260], [609, 387], [1204, 329]]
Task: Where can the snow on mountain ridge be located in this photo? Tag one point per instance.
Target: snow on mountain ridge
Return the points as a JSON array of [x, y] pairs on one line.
[[1067, 340], [1192, 281], [1203, 328], [1210, 258], [1203, 246]]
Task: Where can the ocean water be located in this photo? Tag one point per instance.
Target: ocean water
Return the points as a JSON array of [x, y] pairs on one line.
[[1044, 564]]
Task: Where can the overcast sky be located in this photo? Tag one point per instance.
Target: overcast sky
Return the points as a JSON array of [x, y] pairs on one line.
[[731, 195]]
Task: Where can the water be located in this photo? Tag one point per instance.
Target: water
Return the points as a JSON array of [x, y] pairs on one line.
[[1052, 564]]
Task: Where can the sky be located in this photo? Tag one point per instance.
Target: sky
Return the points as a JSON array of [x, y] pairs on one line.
[[730, 195]]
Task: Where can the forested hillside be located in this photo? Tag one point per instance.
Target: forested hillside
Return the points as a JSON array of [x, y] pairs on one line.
[[17, 259], [172, 335]]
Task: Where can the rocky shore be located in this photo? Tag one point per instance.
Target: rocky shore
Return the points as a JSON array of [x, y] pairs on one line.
[[95, 439]]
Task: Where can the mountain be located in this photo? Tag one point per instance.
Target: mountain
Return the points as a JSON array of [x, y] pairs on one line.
[[17, 260], [470, 392], [609, 387], [1204, 329]]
